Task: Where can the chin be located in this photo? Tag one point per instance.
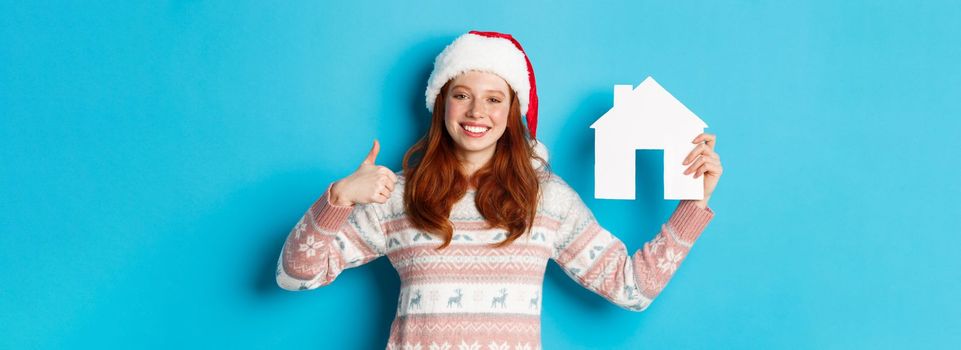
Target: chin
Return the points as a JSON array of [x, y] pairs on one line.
[[474, 148]]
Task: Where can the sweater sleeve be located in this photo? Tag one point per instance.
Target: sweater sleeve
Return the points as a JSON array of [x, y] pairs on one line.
[[598, 260], [328, 239]]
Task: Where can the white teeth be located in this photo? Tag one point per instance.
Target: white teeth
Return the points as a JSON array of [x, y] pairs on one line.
[[476, 129]]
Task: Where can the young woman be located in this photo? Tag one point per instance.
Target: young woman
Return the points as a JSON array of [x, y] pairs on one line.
[[476, 214]]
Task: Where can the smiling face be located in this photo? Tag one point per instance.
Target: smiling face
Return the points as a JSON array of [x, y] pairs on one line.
[[476, 110]]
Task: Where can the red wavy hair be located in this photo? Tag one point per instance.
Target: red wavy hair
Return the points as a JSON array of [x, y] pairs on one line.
[[508, 186]]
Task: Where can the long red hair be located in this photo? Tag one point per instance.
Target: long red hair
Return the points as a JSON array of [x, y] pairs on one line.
[[508, 186]]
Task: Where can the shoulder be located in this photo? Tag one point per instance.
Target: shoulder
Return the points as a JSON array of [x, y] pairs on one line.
[[556, 194], [554, 185]]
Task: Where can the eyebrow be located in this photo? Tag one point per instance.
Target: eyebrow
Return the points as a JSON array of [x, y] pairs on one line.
[[468, 89]]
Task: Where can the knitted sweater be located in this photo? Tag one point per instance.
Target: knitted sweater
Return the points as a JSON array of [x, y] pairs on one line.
[[473, 296]]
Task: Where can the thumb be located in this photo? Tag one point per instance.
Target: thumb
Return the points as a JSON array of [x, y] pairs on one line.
[[373, 153]]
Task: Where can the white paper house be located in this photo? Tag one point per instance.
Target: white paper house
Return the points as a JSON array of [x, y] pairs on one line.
[[646, 117]]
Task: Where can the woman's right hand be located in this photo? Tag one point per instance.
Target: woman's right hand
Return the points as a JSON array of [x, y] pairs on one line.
[[370, 183]]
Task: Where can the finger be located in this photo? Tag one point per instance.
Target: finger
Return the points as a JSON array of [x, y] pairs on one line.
[[708, 168], [699, 138], [389, 173], [697, 163], [694, 153], [700, 163], [713, 155], [380, 198], [372, 155], [388, 183], [709, 139], [713, 168]]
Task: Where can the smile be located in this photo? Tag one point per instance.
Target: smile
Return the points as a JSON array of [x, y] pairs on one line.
[[474, 131]]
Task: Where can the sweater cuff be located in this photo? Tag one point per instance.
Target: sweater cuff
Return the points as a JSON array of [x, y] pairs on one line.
[[328, 216], [689, 220]]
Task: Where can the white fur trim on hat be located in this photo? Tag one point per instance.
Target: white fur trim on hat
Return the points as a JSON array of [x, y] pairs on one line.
[[486, 54]]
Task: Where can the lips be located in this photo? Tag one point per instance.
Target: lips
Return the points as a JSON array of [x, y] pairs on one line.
[[474, 130]]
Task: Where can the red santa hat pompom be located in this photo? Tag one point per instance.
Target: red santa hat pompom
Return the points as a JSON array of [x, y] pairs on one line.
[[496, 53]]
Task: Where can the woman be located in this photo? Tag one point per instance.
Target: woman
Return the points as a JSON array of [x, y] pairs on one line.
[[476, 214]]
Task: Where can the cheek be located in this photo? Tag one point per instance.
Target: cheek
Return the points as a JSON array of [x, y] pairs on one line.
[[449, 114], [500, 119], [452, 110], [451, 127]]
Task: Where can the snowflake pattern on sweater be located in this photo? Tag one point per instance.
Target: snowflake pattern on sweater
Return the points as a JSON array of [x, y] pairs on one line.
[[471, 295]]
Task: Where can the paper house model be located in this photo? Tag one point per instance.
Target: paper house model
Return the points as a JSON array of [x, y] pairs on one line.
[[645, 117]]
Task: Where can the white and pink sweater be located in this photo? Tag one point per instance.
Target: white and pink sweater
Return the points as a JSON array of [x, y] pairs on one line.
[[470, 295]]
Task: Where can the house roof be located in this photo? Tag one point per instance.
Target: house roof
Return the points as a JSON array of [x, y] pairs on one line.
[[647, 104]]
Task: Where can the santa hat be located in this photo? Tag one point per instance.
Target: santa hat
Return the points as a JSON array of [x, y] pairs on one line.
[[495, 53]]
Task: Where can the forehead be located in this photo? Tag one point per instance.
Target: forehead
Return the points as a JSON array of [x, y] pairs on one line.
[[480, 81]]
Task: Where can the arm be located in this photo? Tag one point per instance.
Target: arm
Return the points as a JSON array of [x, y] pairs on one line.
[[328, 239], [597, 260]]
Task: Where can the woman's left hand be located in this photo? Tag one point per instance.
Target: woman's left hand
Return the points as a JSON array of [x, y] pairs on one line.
[[706, 162]]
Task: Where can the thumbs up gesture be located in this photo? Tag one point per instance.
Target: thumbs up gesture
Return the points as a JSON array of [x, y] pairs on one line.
[[370, 183]]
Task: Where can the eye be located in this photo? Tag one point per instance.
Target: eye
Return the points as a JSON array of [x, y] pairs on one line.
[[459, 96], [494, 100]]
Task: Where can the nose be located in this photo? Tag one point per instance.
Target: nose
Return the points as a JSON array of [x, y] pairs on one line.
[[476, 110]]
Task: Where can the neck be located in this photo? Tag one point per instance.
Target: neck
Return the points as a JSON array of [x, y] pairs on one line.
[[472, 161]]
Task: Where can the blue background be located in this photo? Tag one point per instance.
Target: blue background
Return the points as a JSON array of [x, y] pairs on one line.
[[155, 156]]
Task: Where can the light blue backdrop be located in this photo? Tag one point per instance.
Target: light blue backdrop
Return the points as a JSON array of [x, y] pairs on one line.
[[154, 157]]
